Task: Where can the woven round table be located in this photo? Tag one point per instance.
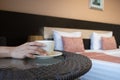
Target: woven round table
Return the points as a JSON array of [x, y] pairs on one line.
[[70, 66]]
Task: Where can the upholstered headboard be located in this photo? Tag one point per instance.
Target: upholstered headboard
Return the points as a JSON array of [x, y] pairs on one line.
[[86, 33], [48, 33]]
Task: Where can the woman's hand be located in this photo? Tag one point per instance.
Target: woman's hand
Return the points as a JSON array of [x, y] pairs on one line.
[[27, 50]]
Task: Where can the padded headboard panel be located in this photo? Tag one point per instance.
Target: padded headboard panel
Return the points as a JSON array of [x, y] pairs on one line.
[[48, 32]]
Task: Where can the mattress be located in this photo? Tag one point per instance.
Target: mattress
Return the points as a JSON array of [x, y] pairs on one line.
[[104, 69]]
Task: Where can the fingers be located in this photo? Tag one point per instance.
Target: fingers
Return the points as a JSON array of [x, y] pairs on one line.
[[30, 46], [33, 47], [28, 50], [38, 49], [31, 52], [41, 52], [30, 55], [35, 44]]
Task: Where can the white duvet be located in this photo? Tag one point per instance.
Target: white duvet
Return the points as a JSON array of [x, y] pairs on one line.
[[103, 70]]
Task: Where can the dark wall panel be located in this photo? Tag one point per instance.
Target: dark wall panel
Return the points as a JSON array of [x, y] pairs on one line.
[[16, 27]]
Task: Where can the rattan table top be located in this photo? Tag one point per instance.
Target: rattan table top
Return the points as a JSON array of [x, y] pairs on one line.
[[69, 66]]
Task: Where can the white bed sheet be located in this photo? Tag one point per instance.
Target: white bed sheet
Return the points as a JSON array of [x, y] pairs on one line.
[[103, 70]]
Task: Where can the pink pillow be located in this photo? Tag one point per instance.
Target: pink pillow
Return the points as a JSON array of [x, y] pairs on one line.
[[73, 44], [108, 43]]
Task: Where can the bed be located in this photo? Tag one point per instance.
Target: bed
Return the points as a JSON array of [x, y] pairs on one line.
[[105, 63], [103, 68]]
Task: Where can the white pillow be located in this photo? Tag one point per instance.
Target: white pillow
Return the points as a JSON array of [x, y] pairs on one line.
[[57, 35], [96, 40]]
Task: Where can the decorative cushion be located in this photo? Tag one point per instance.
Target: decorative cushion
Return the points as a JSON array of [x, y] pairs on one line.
[[72, 44], [109, 43], [57, 35], [96, 40]]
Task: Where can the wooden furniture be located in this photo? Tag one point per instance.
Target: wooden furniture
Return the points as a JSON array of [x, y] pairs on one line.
[[35, 37]]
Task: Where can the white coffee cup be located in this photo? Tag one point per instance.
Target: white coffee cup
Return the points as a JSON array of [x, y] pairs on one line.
[[49, 46]]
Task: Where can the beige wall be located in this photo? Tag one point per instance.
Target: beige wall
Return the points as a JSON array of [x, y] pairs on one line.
[[75, 9]]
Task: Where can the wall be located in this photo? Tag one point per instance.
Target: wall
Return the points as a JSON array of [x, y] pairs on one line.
[[75, 9]]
